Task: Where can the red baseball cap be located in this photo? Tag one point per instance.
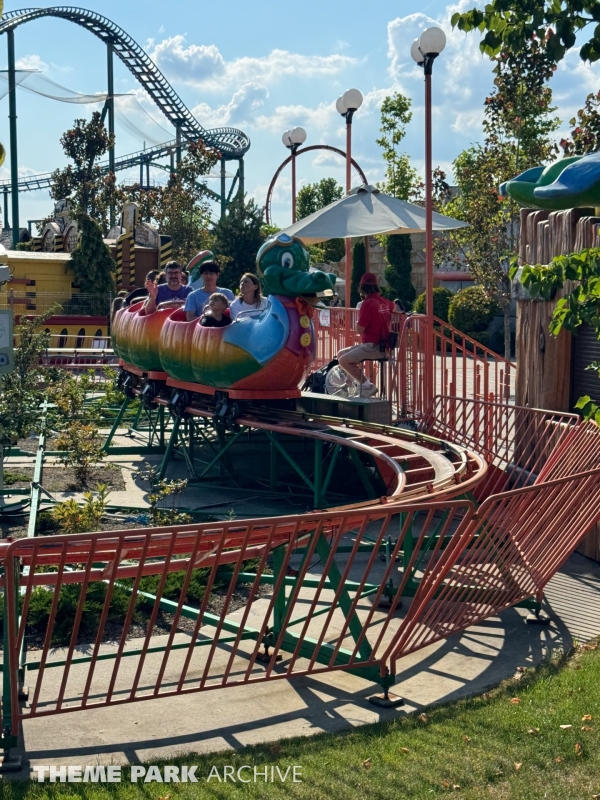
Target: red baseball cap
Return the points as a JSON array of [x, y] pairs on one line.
[[368, 279]]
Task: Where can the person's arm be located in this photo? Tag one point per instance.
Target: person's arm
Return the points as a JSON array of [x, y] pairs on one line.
[[150, 304], [190, 308], [360, 329]]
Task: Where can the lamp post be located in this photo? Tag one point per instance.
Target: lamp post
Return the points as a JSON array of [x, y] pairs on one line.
[[346, 105], [424, 51], [292, 140]]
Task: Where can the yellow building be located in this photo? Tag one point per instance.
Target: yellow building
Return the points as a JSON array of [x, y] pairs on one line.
[[41, 281]]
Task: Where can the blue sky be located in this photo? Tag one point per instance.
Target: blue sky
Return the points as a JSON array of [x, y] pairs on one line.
[[265, 67]]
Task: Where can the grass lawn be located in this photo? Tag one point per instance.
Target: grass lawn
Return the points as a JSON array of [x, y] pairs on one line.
[[508, 743]]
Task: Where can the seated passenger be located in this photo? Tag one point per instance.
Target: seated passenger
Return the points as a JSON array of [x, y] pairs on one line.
[[194, 305], [172, 290], [374, 329], [250, 297], [218, 315]]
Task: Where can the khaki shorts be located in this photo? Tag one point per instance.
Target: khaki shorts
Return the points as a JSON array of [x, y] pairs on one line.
[[369, 351]]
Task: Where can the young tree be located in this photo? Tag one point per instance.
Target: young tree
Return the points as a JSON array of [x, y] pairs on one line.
[[311, 198], [82, 183], [359, 267], [237, 238], [22, 389], [180, 208], [93, 265], [518, 124], [397, 273], [400, 177], [585, 133]]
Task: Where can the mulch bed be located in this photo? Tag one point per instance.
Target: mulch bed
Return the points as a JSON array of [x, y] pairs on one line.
[[62, 479]]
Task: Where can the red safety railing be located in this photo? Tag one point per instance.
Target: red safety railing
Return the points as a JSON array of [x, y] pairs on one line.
[[332, 605], [516, 442], [462, 366], [505, 554]]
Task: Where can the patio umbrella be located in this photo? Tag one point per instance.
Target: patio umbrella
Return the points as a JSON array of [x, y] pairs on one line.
[[366, 211]]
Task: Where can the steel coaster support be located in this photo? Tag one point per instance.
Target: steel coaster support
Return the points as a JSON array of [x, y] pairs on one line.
[[280, 608], [111, 116], [36, 483], [221, 456], [12, 119], [136, 420], [319, 496], [173, 438], [10, 674], [273, 439], [116, 423], [363, 474], [223, 198]]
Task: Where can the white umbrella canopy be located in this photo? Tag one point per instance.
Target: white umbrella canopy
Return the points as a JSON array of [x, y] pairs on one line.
[[367, 211]]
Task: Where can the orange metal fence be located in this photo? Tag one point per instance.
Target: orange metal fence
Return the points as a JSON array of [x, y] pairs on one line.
[[462, 366], [322, 609], [516, 442]]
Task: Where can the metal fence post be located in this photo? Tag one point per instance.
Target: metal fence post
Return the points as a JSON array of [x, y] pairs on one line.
[[10, 674]]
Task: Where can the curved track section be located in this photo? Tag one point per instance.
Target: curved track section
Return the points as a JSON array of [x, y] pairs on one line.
[[231, 142], [414, 465]]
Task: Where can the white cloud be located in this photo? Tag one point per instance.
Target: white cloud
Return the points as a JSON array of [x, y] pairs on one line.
[[240, 110], [32, 61], [462, 77], [204, 66]]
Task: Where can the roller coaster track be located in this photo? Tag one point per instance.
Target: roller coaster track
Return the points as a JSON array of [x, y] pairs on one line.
[[230, 142], [43, 180]]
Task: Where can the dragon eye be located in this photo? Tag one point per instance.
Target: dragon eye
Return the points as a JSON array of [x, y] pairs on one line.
[[287, 260]]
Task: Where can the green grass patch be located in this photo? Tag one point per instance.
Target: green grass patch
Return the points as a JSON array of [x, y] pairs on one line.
[[486, 747]]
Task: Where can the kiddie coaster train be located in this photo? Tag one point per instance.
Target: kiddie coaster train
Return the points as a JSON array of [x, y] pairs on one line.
[[452, 507]]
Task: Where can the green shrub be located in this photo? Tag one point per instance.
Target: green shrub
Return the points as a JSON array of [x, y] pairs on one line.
[[441, 303], [83, 446], [10, 478], [471, 310], [73, 518]]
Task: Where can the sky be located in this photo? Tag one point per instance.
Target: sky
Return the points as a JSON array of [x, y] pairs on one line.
[[264, 67]]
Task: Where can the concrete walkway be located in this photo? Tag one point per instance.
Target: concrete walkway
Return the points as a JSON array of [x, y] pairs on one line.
[[233, 717]]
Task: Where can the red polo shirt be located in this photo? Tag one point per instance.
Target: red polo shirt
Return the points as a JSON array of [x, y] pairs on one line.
[[374, 317]]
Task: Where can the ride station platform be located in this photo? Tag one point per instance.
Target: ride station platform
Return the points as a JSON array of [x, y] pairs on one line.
[[364, 409]]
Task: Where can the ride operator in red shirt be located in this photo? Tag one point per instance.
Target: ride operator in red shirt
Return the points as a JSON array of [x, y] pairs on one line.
[[374, 329]]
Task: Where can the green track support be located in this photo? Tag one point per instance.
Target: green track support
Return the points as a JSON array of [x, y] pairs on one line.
[[116, 424]]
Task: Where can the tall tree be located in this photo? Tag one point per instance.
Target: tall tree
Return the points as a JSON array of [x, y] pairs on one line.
[[585, 133], [514, 24], [82, 182], [400, 177], [311, 198], [398, 270], [359, 267], [181, 209], [93, 265], [518, 123], [237, 238]]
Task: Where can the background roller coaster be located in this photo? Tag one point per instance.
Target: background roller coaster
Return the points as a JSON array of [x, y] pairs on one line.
[[231, 143]]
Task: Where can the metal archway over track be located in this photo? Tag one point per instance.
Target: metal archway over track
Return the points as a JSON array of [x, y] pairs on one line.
[[231, 142]]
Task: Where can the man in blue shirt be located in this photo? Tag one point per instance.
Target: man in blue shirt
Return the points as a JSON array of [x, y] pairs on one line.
[[173, 289], [194, 305]]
